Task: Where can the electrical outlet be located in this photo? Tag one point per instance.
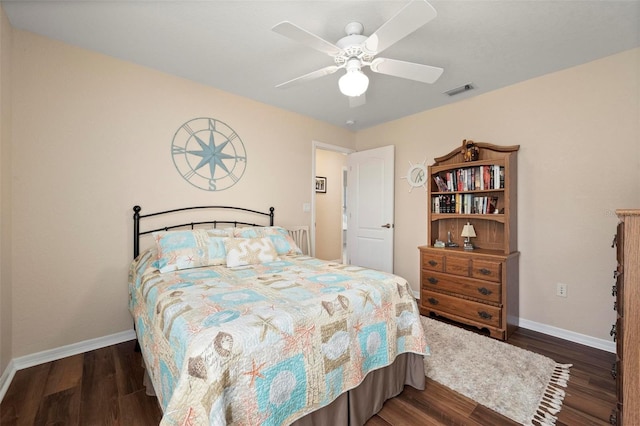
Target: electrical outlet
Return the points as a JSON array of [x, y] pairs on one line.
[[561, 290]]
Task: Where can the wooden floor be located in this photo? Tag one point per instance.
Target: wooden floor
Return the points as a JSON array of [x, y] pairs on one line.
[[104, 387]]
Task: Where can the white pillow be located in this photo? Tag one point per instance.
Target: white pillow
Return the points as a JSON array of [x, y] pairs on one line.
[[249, 251], [279, 236]]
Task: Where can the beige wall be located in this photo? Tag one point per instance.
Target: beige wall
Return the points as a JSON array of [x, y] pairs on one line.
[[329, 205], [579, 160], [5, 191], [91, 138]]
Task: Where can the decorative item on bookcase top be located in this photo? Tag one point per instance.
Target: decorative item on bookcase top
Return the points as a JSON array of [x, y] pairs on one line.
[[470, 151], [321, 184], [468, 232]]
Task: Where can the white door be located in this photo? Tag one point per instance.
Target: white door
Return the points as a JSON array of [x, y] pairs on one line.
[[370, 208]]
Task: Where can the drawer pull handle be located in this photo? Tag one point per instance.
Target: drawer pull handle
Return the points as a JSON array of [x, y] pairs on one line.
[[613, 243], [433, 263], [433, 301], [613, 332], [615, 305], [484, 291], [485, 271], [614, 290], [615, 274], [614, 370], [485, 315], [613, 418], [432, 280]]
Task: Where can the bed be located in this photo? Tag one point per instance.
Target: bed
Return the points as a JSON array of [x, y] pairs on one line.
[[237, 326]]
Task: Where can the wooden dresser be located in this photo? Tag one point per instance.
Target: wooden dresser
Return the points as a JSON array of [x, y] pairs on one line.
[[479, 286], [478, 289], [627, 327]]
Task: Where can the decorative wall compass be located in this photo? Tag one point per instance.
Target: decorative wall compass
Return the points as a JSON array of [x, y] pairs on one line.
[[208, 154]]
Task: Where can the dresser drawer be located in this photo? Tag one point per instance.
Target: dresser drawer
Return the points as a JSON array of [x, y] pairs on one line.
[[619, 336], [620, 242], [487, 270], [475, 311], [620, 292], [457, 265], [466, 286], [432, 261]]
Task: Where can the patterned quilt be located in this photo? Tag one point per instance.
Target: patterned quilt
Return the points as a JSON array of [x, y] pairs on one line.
[[266, 343]]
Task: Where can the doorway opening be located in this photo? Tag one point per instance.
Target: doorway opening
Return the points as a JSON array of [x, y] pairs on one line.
[[328, 210]]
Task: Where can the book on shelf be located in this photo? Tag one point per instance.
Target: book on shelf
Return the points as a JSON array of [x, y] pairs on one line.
[[478, 178], [464, 204], [486, 177]]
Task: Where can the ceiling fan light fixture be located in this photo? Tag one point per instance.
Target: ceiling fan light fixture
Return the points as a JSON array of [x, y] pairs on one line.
[[353, 83]]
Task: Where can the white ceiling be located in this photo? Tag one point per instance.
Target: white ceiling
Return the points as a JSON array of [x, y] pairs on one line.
[[229, 45]]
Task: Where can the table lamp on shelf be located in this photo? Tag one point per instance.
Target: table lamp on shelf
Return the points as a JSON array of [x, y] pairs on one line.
[[468, 232]]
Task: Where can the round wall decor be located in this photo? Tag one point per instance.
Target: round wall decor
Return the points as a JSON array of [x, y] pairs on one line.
[[208, 154], [416, 176]]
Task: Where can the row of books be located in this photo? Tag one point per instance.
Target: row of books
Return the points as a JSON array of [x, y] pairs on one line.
[[471, 179], [464, 204]]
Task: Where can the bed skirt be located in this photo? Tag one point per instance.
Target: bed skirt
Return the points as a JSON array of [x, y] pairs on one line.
[[358, 405]]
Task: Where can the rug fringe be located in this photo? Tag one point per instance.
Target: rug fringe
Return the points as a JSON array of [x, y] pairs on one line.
[[551, 401]]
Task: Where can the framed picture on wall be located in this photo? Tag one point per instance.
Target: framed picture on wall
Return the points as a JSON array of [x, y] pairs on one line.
[[321, 184]]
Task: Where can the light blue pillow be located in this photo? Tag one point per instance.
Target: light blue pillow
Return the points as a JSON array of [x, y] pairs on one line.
[[179, 250]]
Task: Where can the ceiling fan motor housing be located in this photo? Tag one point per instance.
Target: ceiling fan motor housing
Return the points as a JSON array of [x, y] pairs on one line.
[[351, 45]]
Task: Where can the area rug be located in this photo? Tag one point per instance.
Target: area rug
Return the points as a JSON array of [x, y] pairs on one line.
[[519, 384]]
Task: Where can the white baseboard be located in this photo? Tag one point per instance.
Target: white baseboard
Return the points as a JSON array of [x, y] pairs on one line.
[[58, 353], [561, 333], [6, 378], [571, 336]]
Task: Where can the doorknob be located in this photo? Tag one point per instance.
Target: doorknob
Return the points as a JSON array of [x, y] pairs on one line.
[[387, 225]]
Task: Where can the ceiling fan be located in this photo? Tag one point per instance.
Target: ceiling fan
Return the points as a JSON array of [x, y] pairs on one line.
[[355, 51]]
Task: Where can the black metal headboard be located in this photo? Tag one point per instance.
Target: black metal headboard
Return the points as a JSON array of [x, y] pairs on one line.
[[137, 216]]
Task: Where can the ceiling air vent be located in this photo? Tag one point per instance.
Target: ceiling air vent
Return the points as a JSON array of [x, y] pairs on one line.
[[460, 89]]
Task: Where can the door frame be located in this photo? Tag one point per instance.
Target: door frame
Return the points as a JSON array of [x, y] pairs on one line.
[[315, 145]]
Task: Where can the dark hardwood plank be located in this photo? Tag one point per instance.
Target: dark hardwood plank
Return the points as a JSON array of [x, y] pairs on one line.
[[24, 395], [104, 387], [65, 373], [60, 408], [440, 404], [129, 371], [99, 389]]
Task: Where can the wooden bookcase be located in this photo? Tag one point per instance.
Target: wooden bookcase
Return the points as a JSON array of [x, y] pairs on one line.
[[477, 287]]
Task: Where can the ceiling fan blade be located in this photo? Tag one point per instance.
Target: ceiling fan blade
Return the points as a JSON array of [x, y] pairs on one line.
[[312, 75], [409, 70], [303, 36], [407, 20], [356, 101]]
